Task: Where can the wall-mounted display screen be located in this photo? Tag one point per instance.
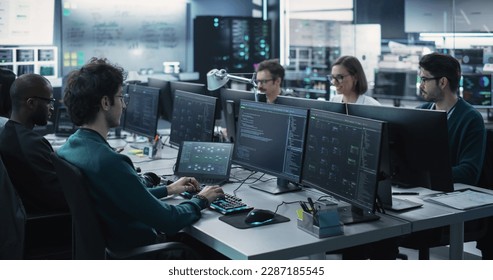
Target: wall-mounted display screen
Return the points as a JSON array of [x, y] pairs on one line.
[[26, 22]]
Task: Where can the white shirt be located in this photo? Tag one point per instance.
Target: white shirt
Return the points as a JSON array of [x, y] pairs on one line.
[[362, 99]]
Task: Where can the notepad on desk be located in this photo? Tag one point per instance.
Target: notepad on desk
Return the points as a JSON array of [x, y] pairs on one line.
[[462, 200]]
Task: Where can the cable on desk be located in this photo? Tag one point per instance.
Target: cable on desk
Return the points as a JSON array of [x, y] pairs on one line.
[[284, 202], [243, 182]]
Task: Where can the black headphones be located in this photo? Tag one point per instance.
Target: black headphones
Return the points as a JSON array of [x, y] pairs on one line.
[[152, 179]]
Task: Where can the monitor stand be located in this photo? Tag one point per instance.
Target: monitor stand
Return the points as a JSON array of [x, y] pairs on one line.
[[282, 186], [352, 215]]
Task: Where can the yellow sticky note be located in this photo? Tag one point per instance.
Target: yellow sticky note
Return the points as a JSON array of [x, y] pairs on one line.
[[299, 213], [136, 152]]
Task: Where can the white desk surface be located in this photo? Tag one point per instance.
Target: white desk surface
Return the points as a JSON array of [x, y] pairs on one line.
[[433, 215], [277, 241], [286, 241]]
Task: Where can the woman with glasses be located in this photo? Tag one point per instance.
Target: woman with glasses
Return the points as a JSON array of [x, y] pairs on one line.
[[349, 79]]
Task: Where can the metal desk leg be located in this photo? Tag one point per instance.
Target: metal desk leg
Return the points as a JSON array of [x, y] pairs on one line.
[[456, 249]]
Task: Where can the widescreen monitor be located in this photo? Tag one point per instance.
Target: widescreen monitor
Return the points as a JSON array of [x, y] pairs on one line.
[[141, 113], [342, 157], [392, 84], [188, 87], [230, 101], [165, 100], [475, 88], [193, 117], [307, 103], [418, 145], [195, 88], [270, 139], [469, 56]]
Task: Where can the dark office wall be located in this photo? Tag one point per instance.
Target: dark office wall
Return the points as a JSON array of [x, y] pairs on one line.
[[274, 16], [241, 8], [195, 8], [388, 13]]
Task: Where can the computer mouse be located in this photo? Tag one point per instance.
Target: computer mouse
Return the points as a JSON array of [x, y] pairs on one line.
[[259, 216]]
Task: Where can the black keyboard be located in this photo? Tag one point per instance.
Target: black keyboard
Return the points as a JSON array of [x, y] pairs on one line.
[[229, 204]]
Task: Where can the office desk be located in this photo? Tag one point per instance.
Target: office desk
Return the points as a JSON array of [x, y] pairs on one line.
[[286, 241], [277, 241], [433, 216]]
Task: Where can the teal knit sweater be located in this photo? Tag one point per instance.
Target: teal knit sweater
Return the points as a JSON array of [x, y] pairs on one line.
[[131, 213]]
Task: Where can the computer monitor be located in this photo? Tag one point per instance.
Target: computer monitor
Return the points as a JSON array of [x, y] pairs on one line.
[[193, 117], [470, 59], [64, 127], [307, 103], [270, 139], [392, 84], [141, 113], [165, 100], [469, 56], [195, 88], [418, 145], [342, 156], [230, 101], [188, 87], [476, 89]]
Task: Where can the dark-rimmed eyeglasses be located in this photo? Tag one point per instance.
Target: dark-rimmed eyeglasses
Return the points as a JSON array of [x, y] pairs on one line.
[[50, 101], [125, 98], [337, 78], [263, 82], [423, 80]]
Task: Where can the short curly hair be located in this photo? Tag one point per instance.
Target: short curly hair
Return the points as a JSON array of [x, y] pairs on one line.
[[274, 67], [86, 87]]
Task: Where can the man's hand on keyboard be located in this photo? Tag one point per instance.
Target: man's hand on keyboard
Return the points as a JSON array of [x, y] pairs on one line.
[[184, 184], [212, 192]]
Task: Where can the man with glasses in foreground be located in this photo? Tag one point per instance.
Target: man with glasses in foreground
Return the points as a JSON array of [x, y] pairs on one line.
[[26, 154], [269, 78], [439, 83], [440, 75]]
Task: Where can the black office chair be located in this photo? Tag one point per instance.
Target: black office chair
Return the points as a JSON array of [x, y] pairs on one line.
[[29, 236], [88, 236], [12, 219]]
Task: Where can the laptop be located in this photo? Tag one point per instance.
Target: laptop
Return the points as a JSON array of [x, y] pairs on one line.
[[64, 127], [208, 162]]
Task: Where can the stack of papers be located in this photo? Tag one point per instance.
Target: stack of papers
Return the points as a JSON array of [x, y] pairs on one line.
[[462, 200]]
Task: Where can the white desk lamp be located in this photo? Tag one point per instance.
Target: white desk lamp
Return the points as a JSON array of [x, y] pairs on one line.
[[218, 78]]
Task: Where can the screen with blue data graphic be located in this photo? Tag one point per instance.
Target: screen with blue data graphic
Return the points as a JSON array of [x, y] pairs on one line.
[[476, 89]]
